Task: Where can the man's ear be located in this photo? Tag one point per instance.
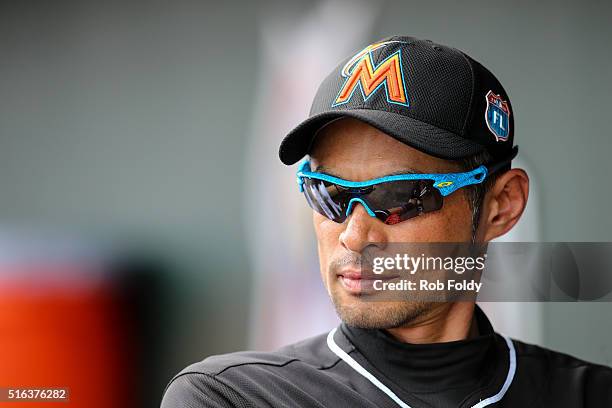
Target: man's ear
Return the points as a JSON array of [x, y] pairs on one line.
[[505, 203]]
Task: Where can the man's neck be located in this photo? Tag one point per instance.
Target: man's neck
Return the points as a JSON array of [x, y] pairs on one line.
[[445, 322]]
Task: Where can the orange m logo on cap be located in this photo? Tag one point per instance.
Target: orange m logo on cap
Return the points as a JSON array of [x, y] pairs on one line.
[[360, 72]]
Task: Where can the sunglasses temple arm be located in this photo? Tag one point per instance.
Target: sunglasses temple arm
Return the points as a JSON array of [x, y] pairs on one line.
[[492, 168], [305, 166]]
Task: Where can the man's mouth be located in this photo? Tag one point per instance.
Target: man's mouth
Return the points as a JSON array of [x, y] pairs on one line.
[[355, 282]]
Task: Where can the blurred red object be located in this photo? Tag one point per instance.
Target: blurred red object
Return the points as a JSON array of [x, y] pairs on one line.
[[63, 326]]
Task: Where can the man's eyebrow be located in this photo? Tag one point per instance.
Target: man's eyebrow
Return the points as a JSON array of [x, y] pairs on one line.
[[406, 170]]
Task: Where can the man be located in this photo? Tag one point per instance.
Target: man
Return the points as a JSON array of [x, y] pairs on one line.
[[408, 141]]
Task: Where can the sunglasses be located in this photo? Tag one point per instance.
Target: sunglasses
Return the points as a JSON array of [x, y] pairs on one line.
[[391, 199]]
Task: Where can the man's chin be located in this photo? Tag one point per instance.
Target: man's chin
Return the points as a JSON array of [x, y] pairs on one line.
[[367, 314]]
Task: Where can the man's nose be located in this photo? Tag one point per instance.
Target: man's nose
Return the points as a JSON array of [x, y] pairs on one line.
[[362, 230]]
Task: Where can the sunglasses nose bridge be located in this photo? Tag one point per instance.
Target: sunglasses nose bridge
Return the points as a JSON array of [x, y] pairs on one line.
[[354, 200]]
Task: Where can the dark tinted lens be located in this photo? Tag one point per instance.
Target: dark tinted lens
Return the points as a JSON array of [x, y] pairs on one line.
[[392, 202], [326, 198], [398, 201]]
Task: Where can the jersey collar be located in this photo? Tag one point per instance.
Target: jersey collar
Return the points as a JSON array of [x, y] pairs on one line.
[[451, 371]]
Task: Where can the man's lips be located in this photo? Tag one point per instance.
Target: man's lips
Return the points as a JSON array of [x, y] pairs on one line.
[[354, 281], [350, 274]]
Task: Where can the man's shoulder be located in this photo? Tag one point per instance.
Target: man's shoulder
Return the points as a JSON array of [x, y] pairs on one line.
[[312, 352], [223, 378], [554, 359], [563, 372]]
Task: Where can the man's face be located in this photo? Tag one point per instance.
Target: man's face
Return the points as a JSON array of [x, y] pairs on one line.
[[353, 150]]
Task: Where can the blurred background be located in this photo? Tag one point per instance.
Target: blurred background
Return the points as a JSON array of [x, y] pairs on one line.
[[146, 221]]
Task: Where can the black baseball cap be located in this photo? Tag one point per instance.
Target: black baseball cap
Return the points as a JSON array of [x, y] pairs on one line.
[[429, 96]]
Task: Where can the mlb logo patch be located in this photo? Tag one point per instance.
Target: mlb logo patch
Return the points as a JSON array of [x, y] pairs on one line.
[[497, 116]]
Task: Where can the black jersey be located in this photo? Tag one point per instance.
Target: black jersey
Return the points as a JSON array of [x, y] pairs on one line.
[[351, 367]]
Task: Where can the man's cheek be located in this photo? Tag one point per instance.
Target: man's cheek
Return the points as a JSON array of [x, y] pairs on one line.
[[328, 245], [455, 221], [328, 232], [325, 257]]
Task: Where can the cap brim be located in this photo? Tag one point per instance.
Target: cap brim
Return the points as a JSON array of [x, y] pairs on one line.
[[422, 136]]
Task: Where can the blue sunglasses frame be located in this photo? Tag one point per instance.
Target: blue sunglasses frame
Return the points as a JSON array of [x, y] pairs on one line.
[[446, 183]]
